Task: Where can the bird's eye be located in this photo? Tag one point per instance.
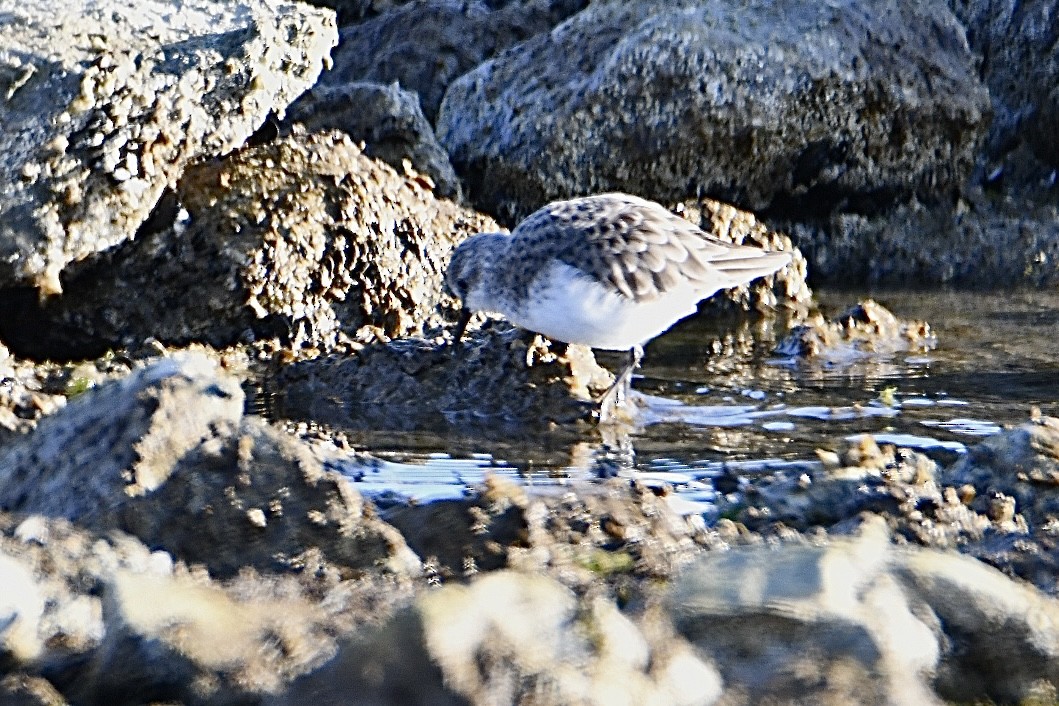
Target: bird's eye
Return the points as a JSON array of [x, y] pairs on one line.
[[461, 285]]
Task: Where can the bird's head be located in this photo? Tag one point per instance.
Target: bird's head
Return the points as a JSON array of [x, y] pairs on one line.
[[471, 268], [469, 271]]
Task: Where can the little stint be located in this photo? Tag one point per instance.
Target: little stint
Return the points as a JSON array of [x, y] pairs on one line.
[[610, 271]]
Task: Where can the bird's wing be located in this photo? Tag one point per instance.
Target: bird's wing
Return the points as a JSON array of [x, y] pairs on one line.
[[639, 247]]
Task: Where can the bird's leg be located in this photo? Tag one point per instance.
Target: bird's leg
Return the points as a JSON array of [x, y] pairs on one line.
[[618, 393]]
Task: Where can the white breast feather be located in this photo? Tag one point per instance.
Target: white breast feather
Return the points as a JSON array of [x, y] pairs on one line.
[[566, 305]]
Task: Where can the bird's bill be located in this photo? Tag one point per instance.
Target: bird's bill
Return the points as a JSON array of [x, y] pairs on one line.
[[461, 325]]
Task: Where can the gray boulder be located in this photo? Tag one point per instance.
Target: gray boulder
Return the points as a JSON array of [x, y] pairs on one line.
[[424, 46], [1020, 65], [758, 103], [104, 106]]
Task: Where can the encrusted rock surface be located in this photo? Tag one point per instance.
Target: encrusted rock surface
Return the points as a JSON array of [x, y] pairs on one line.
[[304, 238], [387, 119], [25, 396], [105, 105], [1021, 464], [980, 241], [175, 463], [904, 486], [787, 289], [501, 380], [614, 533], [762, 105]]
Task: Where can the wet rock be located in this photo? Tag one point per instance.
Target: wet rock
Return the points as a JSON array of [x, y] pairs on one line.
[[105, 106], [103, 619], [387, 119], [176, 464], [514, 638], [499, 380], [866, 329], [1021, 464], [839, 626], [819, 105], [902, 486], [425, 46], [305, 239], [615, 533]]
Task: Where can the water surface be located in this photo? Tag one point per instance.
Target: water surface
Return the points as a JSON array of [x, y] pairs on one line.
[[716, 397]]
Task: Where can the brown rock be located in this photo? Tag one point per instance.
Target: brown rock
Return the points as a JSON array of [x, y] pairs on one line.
[[304, 238]]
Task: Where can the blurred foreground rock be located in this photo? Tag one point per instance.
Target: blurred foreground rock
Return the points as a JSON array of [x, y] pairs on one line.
[[156, 544], [105, 105], [515, 639], [859, 621], [102, 619]]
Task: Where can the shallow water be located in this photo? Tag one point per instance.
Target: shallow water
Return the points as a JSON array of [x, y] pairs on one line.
[[716, 396]]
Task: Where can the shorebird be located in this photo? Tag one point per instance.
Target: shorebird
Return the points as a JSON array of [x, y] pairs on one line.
[[610, 271]]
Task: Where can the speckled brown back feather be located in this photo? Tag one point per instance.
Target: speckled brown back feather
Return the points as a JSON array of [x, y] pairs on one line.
[[637, 246]]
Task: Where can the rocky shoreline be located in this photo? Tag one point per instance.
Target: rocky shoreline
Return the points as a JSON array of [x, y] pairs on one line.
[[209, 210]]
